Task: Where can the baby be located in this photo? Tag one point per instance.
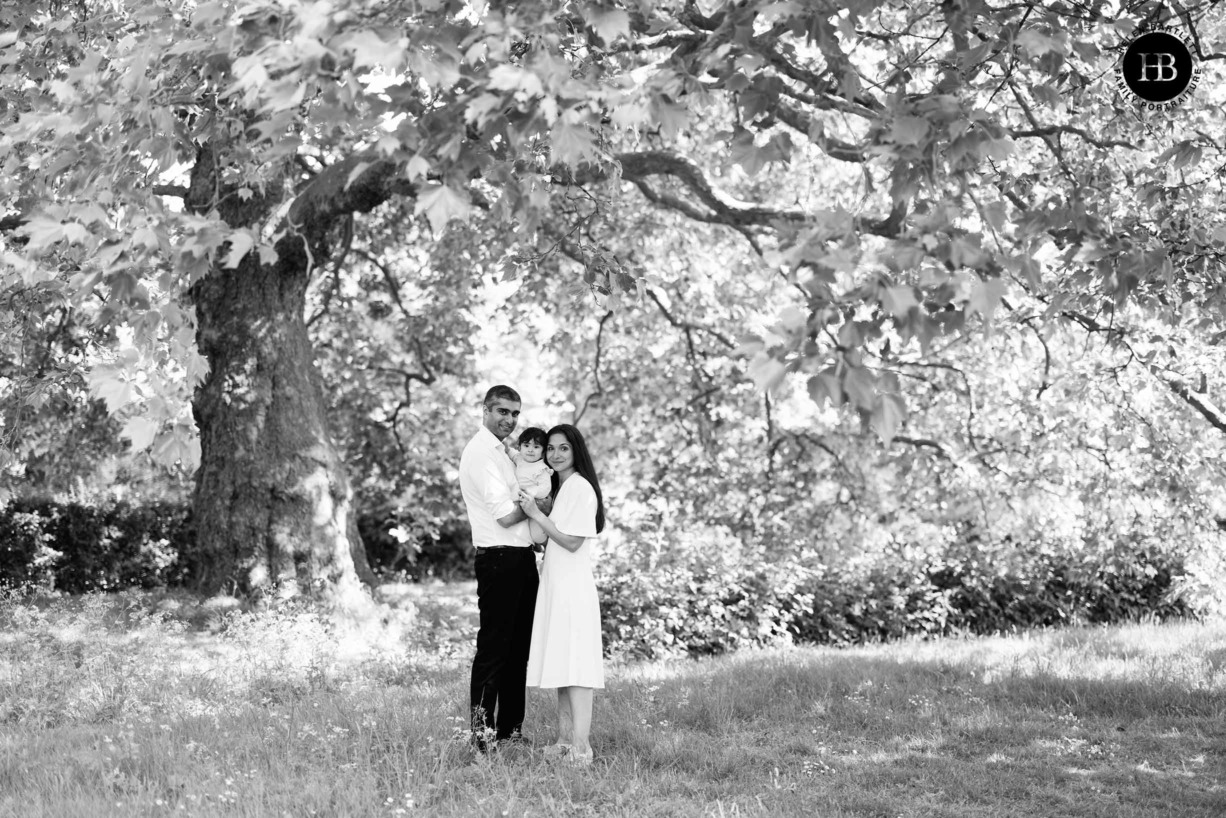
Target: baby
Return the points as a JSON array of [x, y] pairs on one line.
[[530, 469]]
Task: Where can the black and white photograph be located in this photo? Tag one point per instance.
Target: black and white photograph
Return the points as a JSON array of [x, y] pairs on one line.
[[613, 408]]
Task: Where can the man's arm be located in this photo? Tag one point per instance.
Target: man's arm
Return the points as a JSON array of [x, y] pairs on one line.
[[516, 516]]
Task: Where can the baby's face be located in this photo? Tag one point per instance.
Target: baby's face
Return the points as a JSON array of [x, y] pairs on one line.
[[531, 451]]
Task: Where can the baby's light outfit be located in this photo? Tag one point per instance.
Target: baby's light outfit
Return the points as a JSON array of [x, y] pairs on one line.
[[533, 477]]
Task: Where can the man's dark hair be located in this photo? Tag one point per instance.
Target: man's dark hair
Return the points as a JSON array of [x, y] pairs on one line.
[[583, 466], [501, 392], [533, 434]]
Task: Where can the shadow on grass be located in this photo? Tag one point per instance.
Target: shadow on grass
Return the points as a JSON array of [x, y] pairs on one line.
[[1068, 723]]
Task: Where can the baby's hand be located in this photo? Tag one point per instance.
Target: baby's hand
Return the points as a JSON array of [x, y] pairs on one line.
[[528, 503]]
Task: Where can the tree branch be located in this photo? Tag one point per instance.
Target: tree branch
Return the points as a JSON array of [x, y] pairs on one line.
[[1202, 404], [686, 325], [923, 442], [358, 184], [724, 209], [1049, 130], [595, 371]]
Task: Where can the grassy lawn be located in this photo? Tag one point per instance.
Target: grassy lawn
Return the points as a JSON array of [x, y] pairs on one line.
[[140, 705]]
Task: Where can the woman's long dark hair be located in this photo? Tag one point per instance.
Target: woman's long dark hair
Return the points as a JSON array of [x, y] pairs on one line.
[[583, 466]]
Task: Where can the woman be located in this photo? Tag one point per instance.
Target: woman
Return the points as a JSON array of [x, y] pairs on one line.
[[566, 643]]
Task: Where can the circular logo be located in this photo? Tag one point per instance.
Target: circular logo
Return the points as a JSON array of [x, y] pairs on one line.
[[1157, 66]]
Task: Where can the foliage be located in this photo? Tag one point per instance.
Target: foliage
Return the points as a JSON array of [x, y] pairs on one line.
[[75, 548], [978, 592], [444, 555], [797, 222], [695, 592]]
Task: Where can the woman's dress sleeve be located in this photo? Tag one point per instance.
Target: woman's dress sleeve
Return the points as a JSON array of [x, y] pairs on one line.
[[574, 511]]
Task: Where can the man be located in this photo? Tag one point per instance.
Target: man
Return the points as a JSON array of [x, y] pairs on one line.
[[506, 573]]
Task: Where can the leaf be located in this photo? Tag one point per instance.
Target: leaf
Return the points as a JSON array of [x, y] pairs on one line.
[[630, 115], [998, 149], [851, 83], [750, 345], [208, 13], [268, 254], [42, 232], [861, 387], [572, 144], [1036, 42], [1187, 154], [985, 297], [745, 153], [178, 447], [767, 372], [888, 416], [105, 383], [372, 51], [417, 168], [1047, 95], [513, 78], [849, 335], [241, 242], [669, 116], [141, 431], [792, 319], [908, 130], [609, 24], [145, 237], [484, 108], [75, 233], [441, 204], [826, 386], [898, 301]]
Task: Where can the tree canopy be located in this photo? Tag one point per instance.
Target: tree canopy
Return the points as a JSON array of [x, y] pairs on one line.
[[883, 181]]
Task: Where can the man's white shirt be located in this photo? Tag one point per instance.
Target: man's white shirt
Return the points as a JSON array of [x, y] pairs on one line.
[[489, 486]]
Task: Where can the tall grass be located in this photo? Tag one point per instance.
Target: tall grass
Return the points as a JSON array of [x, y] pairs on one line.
[[139, 705]]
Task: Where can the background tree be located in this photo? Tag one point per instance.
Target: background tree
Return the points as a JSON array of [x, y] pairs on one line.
[[198, 165]]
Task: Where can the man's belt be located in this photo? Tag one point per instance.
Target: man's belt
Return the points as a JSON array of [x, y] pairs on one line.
[[483, 549]]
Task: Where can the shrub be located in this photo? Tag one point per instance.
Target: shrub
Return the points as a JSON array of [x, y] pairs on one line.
[[695, 593], [706, 593], [971, 590], [76, 548], [395, 546]]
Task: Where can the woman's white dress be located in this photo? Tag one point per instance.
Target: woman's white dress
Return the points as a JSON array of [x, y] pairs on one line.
[[566, 641]]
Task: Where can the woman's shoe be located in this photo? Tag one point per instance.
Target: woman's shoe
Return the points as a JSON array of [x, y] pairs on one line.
[[557, 750], [580, 759]]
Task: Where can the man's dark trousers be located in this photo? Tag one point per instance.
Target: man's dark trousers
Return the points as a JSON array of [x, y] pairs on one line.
[[506, 598]]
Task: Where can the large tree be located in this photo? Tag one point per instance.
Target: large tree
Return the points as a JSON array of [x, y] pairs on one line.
[[188, 168]]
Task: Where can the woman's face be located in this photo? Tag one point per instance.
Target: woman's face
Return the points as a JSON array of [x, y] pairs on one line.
[[559, 455]]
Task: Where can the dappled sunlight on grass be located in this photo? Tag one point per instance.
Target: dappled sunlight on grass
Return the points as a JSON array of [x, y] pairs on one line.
[[126, 705]]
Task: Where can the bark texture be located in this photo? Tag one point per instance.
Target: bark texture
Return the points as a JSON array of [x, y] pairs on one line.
[[272, 504]]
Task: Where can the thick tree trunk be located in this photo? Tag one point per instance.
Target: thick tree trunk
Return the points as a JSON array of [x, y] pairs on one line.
[[272, 502]]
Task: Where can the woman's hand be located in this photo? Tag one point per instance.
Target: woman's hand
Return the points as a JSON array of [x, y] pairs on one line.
[[528, 503]]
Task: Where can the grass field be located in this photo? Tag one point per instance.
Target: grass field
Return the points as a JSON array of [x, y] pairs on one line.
[[140, 705]]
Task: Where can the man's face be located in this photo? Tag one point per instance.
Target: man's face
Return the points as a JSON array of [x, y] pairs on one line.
[[500, 417]]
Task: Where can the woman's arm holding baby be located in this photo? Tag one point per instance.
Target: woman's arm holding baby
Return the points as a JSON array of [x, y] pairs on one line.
[[539, 522]]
